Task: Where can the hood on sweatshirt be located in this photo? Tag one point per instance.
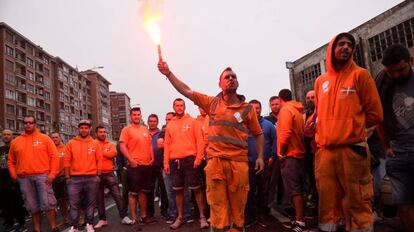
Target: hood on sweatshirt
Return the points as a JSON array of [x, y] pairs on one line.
[[330, 54], [295, 104]]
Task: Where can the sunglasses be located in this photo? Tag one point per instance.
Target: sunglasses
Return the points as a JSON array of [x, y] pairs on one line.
[[29, 123]]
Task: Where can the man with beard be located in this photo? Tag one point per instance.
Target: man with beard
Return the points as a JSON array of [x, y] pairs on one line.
[[347, 103], [397, 132], [83, 165], [231, 120], [274, 104]]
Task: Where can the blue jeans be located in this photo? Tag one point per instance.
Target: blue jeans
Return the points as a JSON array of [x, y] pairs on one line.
[[400, 170], [109, 181], [172, 205], [85, 187], [37, 195]]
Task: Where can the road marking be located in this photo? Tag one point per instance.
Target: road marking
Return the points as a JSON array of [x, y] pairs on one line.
[[95, 214]]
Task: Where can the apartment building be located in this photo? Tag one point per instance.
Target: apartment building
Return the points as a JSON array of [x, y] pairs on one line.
[[120, 107], [395, 25]]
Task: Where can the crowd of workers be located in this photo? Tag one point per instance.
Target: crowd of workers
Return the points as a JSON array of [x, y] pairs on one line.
[[231, 163]]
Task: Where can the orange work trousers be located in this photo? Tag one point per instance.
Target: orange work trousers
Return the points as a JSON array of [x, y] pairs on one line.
[[227, 188], [340, 172]]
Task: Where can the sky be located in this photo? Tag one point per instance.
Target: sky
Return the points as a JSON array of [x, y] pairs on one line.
[[198, 40]]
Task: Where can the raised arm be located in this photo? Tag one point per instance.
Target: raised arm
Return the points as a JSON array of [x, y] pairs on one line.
[[180, 86]]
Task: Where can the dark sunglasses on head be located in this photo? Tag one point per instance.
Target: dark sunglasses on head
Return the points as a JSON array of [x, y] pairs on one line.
[[29, 123]]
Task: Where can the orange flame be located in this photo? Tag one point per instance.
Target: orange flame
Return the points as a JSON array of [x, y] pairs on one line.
[[150, 13]]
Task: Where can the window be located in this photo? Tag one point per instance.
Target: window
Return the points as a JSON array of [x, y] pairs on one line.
[[10, 94], [31, 101], [47, 72], [30, 88], [31, 76], [47, 95], [9, 51], [10, 78], [29, 62], [309, 75], [10, 124], [402, 33], [10, 109], [9, 65], [47, 107]]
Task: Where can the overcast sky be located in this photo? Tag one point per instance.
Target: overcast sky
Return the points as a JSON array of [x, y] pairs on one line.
[[199, 39]]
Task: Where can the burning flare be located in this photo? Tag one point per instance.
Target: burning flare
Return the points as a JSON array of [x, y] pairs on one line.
[[150, 13]]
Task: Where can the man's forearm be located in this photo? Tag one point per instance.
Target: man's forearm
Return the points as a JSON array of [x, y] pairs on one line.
[[180, 86]]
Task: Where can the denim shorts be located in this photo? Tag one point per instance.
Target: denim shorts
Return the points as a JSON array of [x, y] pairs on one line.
[[37, 195], [400, 170], [183, 172]]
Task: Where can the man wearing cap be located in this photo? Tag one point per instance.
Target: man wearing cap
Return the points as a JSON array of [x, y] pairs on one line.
[[347, 103], [231, 121], [83, 164], [34, 164]]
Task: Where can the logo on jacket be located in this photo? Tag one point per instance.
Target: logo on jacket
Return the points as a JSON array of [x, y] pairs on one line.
[[91, 150], [238, 117], [37, 143], [61, 154], [186, 127], [107, 149], [325, 86]]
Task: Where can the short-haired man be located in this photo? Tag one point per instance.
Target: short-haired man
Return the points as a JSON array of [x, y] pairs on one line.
[[11, 201], [159, 187], [183, 153], [397, 95], [274, 104], [108, 180], [83, 165], [33, 162], [59, 184], [231, 120], [347, 103], [291, 150], [257, 204], [135, 144]]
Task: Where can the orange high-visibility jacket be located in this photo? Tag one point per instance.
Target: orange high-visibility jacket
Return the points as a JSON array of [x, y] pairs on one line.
[[61, 156], [108, 154], [290, 127], [183, 137], [229, 126], [32, 154], [203, 123], [138, 142], [83, 156], [347, 102]]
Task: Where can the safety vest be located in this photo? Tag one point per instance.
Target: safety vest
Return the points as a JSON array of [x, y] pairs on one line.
[[228, 124]]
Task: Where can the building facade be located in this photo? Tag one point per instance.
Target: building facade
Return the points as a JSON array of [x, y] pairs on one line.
[[396, 25], [33, 82], [99, 93], [72, 98], [120, 107], [26, 82]]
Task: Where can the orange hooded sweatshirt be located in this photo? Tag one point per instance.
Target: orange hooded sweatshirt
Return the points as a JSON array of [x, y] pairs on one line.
[[61, 156], [183, 137], [33, 154], [346, 102], [108, 154], [290, 127], [83, 156]]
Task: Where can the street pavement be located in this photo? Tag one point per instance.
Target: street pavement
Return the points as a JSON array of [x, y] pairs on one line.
[[387, 225]]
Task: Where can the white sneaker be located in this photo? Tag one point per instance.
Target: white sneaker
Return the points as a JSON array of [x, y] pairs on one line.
[[100, 224], [126, 221], [89, 228], [72, 229]]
